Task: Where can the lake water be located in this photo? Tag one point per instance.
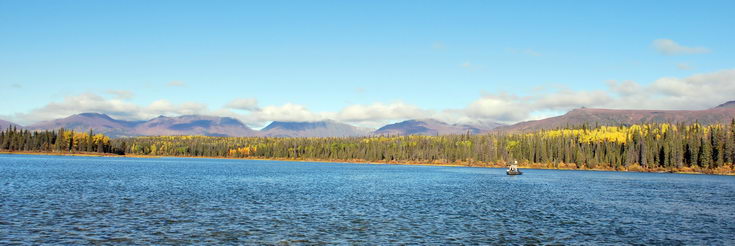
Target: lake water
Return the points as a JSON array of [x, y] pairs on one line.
[[80, 200]]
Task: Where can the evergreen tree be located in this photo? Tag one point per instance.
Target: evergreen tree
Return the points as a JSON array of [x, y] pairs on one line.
[[705, 154]]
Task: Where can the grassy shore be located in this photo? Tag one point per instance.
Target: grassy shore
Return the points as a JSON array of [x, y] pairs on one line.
[[725, 170]]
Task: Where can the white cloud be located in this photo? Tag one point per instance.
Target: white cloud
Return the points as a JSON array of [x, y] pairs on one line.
[[699, 91], [247, 104], [380, 112], [116, 108], [285, 112], [566, 98], [164, 107], [372, 115], [502, 107], [696, 92], [86, 102], [669, 47], [625, 88]]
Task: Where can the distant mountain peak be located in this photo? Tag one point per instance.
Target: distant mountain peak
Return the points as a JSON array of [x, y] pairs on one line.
[[429, 120], [585, 109], [95, 115], [322, 128], [294, 125], [194, 125], [433, 127], [6, 124]]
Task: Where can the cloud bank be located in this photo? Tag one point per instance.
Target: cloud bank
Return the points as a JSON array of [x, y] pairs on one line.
[[699, 91], [247, 104], [116, 107]]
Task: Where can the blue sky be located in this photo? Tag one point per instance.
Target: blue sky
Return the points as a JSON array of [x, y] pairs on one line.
[[365, 63]]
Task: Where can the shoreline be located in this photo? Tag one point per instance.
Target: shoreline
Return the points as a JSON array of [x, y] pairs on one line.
[[726, 171]]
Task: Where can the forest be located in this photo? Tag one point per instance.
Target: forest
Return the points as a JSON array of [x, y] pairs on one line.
[[636, 147], [13, 139]]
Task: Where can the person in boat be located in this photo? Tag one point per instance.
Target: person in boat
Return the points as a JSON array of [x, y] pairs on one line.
[[513, 169]]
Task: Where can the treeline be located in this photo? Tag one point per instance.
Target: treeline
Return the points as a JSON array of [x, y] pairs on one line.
[[13, 139], [647, 146], [666, 146]]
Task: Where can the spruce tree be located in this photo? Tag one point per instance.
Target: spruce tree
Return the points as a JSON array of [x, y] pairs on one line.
[[705, 156]]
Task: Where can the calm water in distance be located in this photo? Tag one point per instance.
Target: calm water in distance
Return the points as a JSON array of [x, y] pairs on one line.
[[81, 200]]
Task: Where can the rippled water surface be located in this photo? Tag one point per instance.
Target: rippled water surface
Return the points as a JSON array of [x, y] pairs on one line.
[[73, 200]]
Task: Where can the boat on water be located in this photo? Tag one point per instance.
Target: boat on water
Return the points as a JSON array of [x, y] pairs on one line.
[[513, 169]]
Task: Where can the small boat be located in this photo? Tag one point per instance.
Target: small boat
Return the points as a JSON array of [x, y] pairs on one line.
[[513, 169]]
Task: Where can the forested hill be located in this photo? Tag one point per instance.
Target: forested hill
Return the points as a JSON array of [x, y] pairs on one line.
[[659, 147]]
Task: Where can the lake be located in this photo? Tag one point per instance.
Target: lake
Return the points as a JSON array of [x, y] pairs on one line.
[[82, 200]]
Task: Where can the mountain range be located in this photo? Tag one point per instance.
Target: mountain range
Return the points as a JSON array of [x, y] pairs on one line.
[[723, 113], [161, 125], [226, 126]]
